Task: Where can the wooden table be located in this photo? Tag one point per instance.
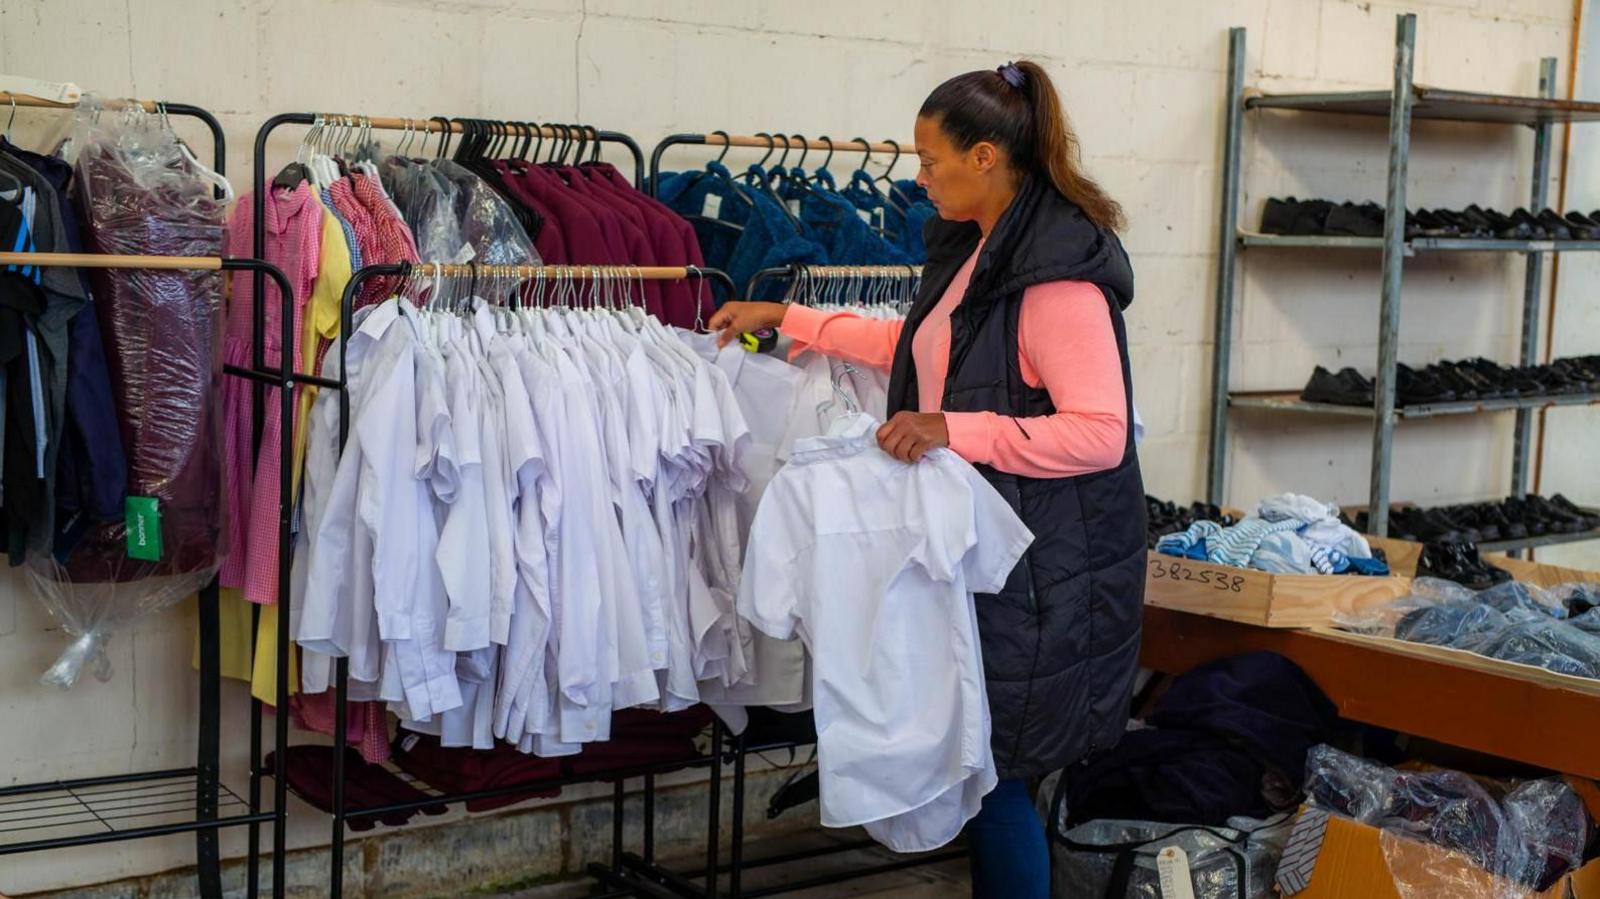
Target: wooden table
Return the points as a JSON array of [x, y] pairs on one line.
[[1507, 710]]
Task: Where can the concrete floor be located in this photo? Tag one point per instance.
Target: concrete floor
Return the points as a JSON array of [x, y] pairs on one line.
[[943, 880]]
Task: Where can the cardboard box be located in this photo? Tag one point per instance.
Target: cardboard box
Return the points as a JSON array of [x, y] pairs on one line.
[[1351, 864], [1256, 597]]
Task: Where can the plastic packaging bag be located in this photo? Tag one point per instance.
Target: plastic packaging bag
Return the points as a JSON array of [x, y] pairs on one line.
[[140, 194], [1515, 844], [1513, 622], [1224, 862]]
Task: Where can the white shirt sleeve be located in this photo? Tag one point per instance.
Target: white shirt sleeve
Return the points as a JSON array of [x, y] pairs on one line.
[[463, 553], [769, 585]]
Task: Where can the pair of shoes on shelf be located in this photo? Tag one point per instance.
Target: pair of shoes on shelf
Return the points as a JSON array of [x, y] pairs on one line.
[[1347, 387]]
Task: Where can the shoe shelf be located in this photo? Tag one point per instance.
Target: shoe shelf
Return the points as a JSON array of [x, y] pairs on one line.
[[1534, 541], [1439, 105], [1401, 103], [1290, 401], [1417, 244]]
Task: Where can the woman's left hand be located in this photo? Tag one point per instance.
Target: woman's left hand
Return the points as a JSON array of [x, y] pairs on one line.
[[908, 435]]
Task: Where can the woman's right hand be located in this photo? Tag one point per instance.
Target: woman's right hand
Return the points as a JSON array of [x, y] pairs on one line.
[[739, 317]]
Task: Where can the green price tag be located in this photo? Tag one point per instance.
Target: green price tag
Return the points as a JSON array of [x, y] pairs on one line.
[[144, 528]]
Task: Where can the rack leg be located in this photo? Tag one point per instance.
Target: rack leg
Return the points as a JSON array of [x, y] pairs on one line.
[[253, 856], [618, 806], [1394, 247], [736, 850], [341, 687], [208, 763], [650, 818], [1227, 266], [713, 815], [1533, 281]]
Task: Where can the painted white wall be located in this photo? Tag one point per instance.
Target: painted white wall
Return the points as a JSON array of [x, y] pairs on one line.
[[1143, 80]]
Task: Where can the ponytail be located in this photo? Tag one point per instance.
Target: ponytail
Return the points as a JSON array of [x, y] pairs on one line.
[[1016, 108]]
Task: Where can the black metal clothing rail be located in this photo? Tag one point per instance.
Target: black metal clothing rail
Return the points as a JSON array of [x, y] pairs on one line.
[[770, 143], [631, 879], [795, 270], [203, 817]]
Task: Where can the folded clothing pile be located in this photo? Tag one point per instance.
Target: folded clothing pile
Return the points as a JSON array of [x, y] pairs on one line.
[[1325, 218], [1529, 833], [1163, 517], [1456, 381], [1287, 534], [1555, 629]]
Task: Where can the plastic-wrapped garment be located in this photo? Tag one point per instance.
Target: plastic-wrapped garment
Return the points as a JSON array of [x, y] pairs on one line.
[[427, 202], [1109, 859], [487, 223], [1513, 622], [162, 329], [1529, 838]]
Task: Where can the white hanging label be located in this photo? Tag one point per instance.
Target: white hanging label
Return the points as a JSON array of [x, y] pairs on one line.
[[1172, 866], [712, 208]]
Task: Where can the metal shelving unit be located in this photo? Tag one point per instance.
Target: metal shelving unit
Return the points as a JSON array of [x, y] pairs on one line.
[[1402, 103]]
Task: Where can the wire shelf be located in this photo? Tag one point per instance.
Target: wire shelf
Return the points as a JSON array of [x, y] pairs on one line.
[[66, 813]]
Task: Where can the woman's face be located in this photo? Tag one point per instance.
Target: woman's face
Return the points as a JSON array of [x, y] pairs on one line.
[[957, 181]]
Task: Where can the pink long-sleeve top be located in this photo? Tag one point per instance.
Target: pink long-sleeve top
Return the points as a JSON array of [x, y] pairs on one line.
[[1067, 346]]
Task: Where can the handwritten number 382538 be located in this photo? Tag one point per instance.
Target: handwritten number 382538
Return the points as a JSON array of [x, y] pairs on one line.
[[1177, 571]]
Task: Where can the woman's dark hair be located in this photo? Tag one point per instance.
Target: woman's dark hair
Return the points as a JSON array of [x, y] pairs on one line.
[[1016, 108]]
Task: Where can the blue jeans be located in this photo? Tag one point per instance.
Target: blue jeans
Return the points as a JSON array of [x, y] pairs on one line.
[[1008, 853]]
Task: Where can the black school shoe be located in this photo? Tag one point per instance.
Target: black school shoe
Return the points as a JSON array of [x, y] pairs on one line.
[[1554, 224], [1277, 216], [1459, 562], [1467, 224], [1347, 388], [1416, 388], [1523, 216], [1350, 220], [1431, 224], [1590, 518], [1582, 226], [1502, 226]]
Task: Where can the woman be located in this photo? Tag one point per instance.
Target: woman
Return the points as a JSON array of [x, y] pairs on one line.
[[1015, 356]]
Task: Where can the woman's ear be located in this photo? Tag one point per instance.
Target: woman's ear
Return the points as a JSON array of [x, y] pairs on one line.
[[984, 156]]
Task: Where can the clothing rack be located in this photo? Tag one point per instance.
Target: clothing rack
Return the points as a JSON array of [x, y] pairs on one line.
[[791, 272], [770, 142], [628, 874], [207, 763], [92, 800]]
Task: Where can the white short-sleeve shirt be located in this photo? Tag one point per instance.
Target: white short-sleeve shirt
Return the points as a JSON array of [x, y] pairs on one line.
[[874, 562]]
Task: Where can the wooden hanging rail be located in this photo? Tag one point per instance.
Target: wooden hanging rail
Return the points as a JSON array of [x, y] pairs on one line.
[[574, 272], [93, 260], [7, 98]]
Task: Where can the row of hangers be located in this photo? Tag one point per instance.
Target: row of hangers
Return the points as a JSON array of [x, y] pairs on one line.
[[616, 289], [768, 181]]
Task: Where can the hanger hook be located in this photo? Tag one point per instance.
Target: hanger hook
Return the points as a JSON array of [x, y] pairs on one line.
[[783, 160], [771, 147], [805, 150], [893, 162], [11, 121], [829, 159], [727, 144]]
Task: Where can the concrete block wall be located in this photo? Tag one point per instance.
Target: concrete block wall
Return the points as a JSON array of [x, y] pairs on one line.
[[1143, 80]]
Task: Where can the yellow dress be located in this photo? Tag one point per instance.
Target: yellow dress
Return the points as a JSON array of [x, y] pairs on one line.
[[321, 325]]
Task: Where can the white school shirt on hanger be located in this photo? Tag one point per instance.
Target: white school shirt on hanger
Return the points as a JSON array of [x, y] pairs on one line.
[[874, 562], [463, 556], [426, 669], [522, 664], [340, 615]]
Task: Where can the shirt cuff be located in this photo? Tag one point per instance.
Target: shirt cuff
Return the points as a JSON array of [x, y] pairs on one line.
[[802, 324], [972, 435]]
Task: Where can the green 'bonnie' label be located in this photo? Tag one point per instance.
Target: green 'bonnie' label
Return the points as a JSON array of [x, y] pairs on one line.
[[144, 528]]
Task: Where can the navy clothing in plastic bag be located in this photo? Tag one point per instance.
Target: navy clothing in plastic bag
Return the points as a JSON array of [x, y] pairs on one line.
[[1228, 738], [1529, 835]]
